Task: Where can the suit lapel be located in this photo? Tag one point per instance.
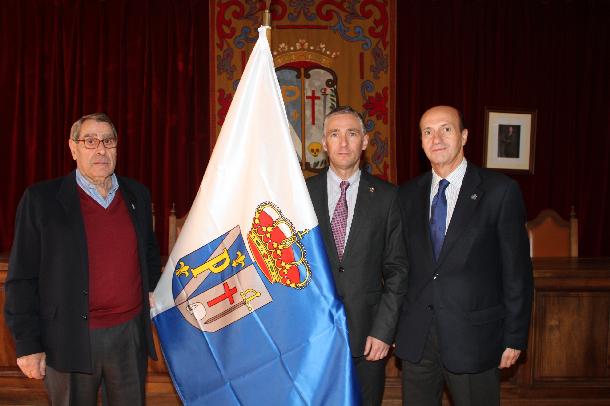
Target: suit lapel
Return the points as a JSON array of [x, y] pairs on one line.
[[468, 200], [319, 199], [130, 202], [132, 207], [425, 184], [70, 201], [364, 203]]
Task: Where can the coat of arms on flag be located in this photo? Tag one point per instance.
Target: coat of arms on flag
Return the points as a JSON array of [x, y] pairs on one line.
[[219, 284], [246, 309]]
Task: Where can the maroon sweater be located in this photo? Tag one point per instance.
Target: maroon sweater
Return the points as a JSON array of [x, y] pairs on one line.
[[115, 284]]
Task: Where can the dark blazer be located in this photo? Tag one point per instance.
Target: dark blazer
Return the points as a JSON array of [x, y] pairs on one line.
[[480, 290], [371, 278], [46, 288]]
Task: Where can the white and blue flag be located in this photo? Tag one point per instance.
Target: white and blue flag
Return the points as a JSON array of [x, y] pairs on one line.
[[246, 308]]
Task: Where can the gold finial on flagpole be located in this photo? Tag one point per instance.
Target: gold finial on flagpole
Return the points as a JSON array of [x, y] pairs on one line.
[[267, 20]]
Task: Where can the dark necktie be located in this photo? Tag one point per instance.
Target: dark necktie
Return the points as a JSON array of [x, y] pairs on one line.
[[438, 218], [339, 221]]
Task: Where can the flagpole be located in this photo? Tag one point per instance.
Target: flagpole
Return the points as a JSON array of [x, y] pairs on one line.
[[267, 21]]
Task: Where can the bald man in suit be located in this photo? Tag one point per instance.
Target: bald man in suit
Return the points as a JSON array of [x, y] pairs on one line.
[[467, 310]]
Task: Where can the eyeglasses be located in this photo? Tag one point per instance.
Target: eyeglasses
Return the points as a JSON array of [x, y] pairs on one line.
[[93, 143]]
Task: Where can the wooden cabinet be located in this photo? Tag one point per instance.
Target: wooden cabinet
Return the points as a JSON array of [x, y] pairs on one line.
[[569, 347], [567, 362]]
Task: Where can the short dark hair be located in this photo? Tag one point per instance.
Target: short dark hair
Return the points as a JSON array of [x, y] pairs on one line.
[[344, 110], [99, 117]]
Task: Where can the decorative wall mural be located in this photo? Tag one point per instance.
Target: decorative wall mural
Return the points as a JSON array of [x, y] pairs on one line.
[[326, 53]]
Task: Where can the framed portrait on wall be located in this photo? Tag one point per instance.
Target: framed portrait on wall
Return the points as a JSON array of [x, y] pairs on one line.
[[510, 136]]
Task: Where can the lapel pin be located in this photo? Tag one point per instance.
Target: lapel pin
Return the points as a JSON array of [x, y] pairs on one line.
[[371, 189], [474, 196], [133, 206]]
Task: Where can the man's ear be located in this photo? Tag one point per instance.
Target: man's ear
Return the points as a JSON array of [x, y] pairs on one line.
[[464, 136], [365, 141], [72, 145]]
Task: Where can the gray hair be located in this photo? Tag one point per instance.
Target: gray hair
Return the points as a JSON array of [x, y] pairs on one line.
[[98, 117], [344, 110]]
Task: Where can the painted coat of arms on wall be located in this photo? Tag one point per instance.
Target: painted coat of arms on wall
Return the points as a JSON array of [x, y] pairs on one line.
[[326, 53]]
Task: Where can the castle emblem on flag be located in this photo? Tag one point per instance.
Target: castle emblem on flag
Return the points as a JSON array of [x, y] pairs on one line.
[[277, 248]]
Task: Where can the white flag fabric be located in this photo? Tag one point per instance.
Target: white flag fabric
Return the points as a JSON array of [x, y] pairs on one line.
[[246, 308]]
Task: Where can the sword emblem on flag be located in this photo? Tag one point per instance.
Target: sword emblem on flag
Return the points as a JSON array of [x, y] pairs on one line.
[[226, 302]]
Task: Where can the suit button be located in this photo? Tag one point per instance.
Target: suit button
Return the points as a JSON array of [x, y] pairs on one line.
[[341, 269], [430, 307], [84, 316], [85, 292]]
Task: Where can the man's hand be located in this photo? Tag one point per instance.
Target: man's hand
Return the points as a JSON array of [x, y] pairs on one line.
[[509, 357], [33, 365], [375, 349]]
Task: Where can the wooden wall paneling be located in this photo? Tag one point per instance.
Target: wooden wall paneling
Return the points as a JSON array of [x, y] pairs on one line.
[[15, 389], [572, 337], [7, 347], [567, 357]]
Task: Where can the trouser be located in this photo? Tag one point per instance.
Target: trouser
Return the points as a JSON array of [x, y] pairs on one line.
[[422, 382], [119, 364], [371, 375]]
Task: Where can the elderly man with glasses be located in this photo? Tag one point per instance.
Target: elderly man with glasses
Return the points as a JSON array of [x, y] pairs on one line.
[[83, 261]]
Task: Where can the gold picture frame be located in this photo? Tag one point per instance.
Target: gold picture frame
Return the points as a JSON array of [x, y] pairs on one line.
[[510, 136]]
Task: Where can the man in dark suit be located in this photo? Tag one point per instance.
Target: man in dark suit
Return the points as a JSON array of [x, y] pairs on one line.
[[83, 262], [359, 218], [467, 310]]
